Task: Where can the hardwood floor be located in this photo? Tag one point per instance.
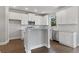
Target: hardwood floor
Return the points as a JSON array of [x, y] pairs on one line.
[[56, 47], [17, 46], [14, 46]]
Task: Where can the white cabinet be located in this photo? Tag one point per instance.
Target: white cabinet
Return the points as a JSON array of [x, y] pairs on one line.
[[35, 38], [37, 20], [68, 38], [57, 35], [72, 15], [15, 16], [24, 19], [44, 20], [67, 16], [41, 20], [19, 16], [59, 18], [31, 17]]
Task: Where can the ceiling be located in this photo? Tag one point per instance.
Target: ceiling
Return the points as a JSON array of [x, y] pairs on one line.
[[38, 9]]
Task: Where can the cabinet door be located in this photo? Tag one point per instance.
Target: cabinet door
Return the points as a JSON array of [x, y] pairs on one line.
[[57, 35], [72, 15], [24, 18], [59, 18], [63, 17], [44, 20], [31, 17], [15, 16], [66, 38], [37, 20], [12, 15], [68, 16], [34, 17]]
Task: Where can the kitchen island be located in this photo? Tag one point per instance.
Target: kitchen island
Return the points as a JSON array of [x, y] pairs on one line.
[[35, 37]]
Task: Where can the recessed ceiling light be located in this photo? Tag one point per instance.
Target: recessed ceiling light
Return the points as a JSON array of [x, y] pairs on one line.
[[26, 8]]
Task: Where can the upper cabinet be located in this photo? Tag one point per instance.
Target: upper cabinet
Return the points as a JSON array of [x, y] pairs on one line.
[[31, 17], [19, 16], [67, 16], [24, 19], [44, 20], [38, 19], [15, 16]]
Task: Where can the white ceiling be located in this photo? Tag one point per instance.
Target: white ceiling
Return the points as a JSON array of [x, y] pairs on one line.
[[38, 9]]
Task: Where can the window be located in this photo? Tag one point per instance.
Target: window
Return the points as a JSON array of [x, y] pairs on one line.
[[53, 20]]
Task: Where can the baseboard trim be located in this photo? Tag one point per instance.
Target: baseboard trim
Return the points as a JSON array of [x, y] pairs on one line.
[[68, 45], [38, 46], [13, 38], [4, 43]]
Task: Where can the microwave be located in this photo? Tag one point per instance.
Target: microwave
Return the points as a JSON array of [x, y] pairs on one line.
[[31, 22]]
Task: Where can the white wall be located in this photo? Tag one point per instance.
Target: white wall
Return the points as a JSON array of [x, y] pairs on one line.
[[3, 24], [78, 29]]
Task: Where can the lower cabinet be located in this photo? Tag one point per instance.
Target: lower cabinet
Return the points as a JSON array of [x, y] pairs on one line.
[[22, 34], [68, 39], [55, 35]]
